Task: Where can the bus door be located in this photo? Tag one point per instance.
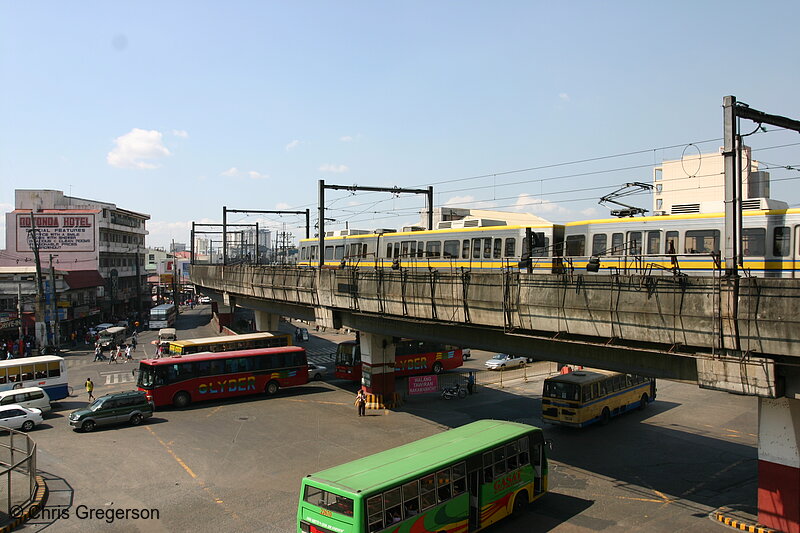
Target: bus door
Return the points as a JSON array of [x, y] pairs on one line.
[[474, 474], [538, 459]]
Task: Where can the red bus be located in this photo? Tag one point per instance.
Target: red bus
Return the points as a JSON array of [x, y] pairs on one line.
[[180, 380], [411, 357]]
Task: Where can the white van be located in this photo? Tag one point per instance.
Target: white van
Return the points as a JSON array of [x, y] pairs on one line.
[[27, 397], [167, 335], [111, 337]]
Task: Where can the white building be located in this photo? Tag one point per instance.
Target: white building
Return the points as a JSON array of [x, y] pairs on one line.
[[82, 235]]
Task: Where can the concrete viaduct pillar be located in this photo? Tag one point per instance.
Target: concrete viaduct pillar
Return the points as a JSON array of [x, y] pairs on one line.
[[267, 321], [779, 464], [377, 369]]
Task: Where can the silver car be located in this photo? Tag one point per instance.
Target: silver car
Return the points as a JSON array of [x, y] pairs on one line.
[[503, 361], [17, 417]]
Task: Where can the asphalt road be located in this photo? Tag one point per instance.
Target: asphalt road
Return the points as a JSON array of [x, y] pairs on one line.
[[237, 466]]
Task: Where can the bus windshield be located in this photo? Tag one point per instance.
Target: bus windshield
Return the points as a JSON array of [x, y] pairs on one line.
[[328, 500], [348, 353]]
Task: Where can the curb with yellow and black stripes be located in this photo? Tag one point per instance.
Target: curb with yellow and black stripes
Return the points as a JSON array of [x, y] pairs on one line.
[[23, 514], [739, 524]]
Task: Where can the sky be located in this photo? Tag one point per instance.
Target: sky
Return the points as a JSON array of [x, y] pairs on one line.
[[178, 108]]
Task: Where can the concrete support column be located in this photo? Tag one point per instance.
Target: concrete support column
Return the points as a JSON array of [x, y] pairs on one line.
[[377, 364], [267, 321], [779, 464]]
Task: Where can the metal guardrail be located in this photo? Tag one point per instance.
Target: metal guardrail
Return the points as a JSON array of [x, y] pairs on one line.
[[18, 473]]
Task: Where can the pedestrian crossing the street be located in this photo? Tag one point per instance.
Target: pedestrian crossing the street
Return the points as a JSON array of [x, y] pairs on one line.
[[115, 378]]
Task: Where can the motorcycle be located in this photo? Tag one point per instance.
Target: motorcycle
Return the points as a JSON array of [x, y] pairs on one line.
[[456, 391]]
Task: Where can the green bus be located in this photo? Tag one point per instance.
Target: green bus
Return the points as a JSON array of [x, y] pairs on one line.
[[458, 481]]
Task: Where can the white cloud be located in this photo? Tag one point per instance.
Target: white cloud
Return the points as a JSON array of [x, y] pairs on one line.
[[563, 96], [526, 202], [337, 169], [162, 233], [346, 139], [253, 174], [282, 206], [180, 133], [589, 212], [135, 148], [292, 145], [231, 172], [459, 201]]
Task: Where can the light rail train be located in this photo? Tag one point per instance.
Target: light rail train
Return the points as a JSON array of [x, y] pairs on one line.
[[666, 244]]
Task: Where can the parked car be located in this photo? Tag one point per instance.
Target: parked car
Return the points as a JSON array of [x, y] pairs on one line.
[[315, 372], [17, 417], [30, 397], [115, 408], [204, 300], [503, 360]]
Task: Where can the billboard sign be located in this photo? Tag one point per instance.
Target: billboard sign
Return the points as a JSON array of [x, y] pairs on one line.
[[57, 232]]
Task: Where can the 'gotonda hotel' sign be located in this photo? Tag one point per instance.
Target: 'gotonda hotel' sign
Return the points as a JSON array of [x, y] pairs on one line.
[[69, 233]]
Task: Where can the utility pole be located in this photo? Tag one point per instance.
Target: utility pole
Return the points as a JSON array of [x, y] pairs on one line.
[[40, 343], [19, 307], [175, 281], [56, 333]]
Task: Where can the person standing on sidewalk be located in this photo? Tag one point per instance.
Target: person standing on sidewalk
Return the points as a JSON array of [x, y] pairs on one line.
[[471, 383], [89, 388]]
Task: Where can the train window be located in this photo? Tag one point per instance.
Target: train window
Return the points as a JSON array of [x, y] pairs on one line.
[[338, 252], [389, 250], [635, 242], [420, 248], [541, 251], [576, 245], [487, 248], [702, 241], [476, 248], [451, 249], [599, 243], [672, 242], [364, 249], [433, 248], [781, 242], [497, 252], [396, 250], [313, 253], [511, 247], [303, 253], [465, 249], [653, 242], [754, 241], [617, 241], [355, 250], [329, 252], [404, 248]]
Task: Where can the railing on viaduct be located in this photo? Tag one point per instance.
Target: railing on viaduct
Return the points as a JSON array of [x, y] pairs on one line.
[[752, 320]]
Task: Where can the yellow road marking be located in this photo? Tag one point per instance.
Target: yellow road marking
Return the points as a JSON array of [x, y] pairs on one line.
[[189, 471], [214, 410]]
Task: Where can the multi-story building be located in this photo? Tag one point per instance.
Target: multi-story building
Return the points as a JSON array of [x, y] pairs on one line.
[[77, 234]]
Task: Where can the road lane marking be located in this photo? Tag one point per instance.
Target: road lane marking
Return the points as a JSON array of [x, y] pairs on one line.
[[219, 501]]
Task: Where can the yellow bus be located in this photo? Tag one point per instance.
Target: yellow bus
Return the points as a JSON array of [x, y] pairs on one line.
[[587, 396], [228, 343]]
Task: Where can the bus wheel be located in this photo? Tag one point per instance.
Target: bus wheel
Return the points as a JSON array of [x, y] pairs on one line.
[[605, 416], [520, 502], [181, 400], [272, 388], [437, 367], [643, 403]]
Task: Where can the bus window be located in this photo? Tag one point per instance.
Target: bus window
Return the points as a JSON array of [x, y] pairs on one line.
[[427, 492], [523, 451], [488, 468], [465, 249], [497, 252], [443, 484], [391, 502], [511, 456], [40, 370], [374, 513], [781, 242], [328, 500], [451, 249], [459, 479], [499, 461], [410, 498], [617, 241], [599, 243], [653, 242], [511, 247], [754, 241]]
